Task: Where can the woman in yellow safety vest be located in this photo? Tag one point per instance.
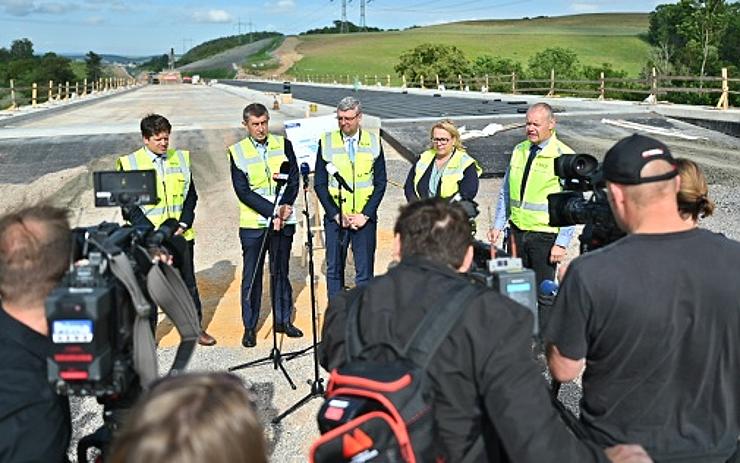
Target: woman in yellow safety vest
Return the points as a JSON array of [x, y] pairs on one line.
[[445, 169]]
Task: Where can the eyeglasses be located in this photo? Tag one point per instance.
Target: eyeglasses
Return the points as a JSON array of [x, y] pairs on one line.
[[347, 119], [441, 141]]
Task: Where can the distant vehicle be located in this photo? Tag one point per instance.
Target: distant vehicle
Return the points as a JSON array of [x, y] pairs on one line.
[[155, 81], [196, 79], [187, 80]]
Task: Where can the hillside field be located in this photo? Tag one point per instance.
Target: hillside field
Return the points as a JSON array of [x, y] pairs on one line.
[[596, 39]]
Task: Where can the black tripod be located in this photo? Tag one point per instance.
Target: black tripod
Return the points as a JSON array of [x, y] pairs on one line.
[[275, 356], [317, 386]]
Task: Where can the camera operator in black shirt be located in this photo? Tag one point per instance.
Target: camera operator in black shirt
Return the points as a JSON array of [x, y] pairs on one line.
[[35, 246], [654, 318], [484, 379]]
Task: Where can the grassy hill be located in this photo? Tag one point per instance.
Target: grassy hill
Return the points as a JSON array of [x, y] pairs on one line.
[[596, 38]]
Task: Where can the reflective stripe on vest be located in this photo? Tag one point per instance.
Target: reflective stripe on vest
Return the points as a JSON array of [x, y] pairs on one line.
[[359, 174], [259, 174], [453, 173], [171, 190], [530, 213]]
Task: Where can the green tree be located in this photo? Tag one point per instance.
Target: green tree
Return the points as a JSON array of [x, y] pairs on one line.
[[429, 60], [4, 55], [729, 47], [563, 60], [491, 65], [21, 49], [704, 28], [93, 66]]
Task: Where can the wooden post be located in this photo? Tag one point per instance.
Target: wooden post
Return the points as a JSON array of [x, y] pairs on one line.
[[34, 94], [601, 86], [421, 80], [77, 89], [84, 86], [66, 90], [51, 89], [403, 80], [487, 87], [653, 98], [388, 79], [437, 77], [459, 79], [724, 100], [13, 104], [513, 82], [552, 83]]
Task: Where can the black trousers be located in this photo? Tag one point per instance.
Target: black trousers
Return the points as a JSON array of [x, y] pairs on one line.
[[534, 250]]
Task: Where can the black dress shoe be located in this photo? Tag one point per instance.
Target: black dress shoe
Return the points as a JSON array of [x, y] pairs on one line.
[[289, 329], [249, 339]]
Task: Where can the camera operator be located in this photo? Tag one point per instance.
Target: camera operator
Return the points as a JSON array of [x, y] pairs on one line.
[[484, 379], [35, 246], [654, 317]]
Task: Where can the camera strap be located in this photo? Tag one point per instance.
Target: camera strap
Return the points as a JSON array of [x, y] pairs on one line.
[[168, 291]]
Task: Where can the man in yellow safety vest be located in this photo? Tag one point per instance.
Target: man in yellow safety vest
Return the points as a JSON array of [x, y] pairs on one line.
[[349, 159], [176, 194], [522, 200], [255, 161]]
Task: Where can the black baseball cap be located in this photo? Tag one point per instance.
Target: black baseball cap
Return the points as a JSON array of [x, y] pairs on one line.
[[624, 161]]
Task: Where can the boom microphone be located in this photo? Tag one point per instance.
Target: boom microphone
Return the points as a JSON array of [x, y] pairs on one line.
[[305, 170], [282, 177], [332, 170]]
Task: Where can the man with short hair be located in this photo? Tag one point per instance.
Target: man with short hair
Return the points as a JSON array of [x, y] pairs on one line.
[[35, 248], [177, 199], [483, 377], [655, 319], [356, 156], [522, 200], [254, 161]]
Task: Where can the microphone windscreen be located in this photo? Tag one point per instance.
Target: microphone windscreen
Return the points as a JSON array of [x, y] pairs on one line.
[[548, 288], [331, 168], [285, 167], [305, 169]]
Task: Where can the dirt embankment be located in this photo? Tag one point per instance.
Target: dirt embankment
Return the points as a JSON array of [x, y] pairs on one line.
[[287, 55]]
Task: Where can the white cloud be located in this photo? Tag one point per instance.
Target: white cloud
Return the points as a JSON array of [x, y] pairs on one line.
[[280, 5], [584, 7], [26, 7], [56, 8], [18, 7], [212, 16], [94, 20]]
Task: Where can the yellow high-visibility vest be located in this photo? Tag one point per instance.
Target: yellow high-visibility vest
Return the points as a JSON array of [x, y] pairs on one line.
[[530, 213], [171, 190], [452, 174], [259, 174], [359, 174]]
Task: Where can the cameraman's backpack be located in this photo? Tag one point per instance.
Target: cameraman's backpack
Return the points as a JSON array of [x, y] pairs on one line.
[[382, 411]]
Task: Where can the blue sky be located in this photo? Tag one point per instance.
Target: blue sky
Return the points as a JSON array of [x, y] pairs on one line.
[[138, 27]]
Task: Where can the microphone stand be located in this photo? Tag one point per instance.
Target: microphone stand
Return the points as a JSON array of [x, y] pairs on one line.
[[275, 356], [317, 386], [342, 235]]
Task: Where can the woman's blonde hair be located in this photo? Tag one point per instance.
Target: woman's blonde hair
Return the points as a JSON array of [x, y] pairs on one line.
[[693, 196], [192, 418], [448, 126]]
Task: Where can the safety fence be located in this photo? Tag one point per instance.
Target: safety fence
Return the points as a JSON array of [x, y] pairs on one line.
[[653, 88], [13, 97]]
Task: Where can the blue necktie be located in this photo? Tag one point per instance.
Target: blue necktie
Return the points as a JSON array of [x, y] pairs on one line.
[[351, 149]]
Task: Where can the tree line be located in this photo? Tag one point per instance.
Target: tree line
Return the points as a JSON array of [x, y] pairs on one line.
[[20, 64], [690, 37]]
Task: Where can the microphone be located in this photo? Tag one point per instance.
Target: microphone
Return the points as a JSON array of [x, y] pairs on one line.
[[305, 169], [282, 177], [332, 170], [549, 288]]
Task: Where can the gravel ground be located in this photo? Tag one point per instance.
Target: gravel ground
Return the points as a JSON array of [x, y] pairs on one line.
[[218, 258]]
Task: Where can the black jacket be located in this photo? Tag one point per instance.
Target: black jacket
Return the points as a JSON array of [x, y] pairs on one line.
[[484, 377]]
